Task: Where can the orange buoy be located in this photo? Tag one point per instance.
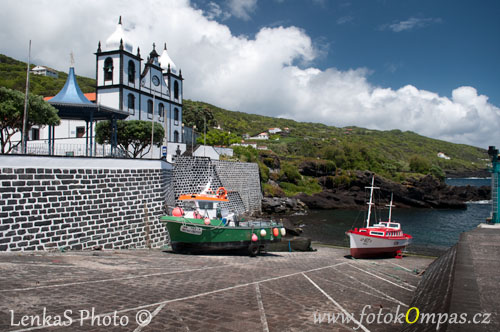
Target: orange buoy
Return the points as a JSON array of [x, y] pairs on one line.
[[207, 221], [221, 192], [276, 232]]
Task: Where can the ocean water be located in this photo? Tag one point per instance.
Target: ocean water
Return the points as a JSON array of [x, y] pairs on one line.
[[469, 182], [433, 230]]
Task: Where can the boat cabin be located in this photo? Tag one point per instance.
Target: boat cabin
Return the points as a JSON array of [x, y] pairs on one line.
[[387, 224]]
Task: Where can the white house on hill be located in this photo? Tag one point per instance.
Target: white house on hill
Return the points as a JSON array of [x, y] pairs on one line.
[[262, 136], [44, 71]]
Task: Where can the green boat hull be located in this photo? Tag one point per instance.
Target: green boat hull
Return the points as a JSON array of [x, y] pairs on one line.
[[192, 235]]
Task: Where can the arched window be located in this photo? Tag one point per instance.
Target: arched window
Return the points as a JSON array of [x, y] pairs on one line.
[[176, 136], [161, 110], [131, 71], [131, 103], [176, 116], [108, 69], [176, 90], [150, 109]]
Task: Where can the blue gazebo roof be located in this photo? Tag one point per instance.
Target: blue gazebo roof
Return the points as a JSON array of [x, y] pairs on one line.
[[71, 103], [70, 93]]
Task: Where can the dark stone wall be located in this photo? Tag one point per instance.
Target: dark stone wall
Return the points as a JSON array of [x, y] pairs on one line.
[[241, 180], [80, 208]]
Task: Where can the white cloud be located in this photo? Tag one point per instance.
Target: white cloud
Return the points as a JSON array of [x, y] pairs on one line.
[[269, 73], [242, 8], [344, 20], [411, 23]]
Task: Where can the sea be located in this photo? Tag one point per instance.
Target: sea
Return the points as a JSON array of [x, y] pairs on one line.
[[433, 230]]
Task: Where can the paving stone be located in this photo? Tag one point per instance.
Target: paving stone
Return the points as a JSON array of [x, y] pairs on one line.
[[282, 291]]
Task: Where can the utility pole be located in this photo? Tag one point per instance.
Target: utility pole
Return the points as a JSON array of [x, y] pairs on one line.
[[153, 122], [204, 135], [192, 139], [25, 117]]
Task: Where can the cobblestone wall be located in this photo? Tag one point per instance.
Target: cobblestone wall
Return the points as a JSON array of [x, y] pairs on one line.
[[192, 174], [81, 203]]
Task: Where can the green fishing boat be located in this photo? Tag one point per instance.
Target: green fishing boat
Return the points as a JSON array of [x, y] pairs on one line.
[[204, 227]]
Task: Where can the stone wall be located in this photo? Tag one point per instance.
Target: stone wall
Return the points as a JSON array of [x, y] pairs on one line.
[[241, 180], [81, 203]]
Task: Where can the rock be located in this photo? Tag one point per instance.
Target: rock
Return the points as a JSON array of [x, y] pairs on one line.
[[279, 205], [426, 192]]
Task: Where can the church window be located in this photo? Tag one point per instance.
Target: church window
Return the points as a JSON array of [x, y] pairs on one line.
[[108, 69], [131, 72], [176, 136], [161, 110], [150, 109], [176, 90], [176, 116], [131, 103]]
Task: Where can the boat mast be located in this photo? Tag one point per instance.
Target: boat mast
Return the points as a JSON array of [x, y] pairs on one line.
[[390, 208], [371, 202]]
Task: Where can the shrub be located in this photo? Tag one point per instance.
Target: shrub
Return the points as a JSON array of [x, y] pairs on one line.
[[289, 173], [419, 164], [264, 172], [437, 172], [270, 190]]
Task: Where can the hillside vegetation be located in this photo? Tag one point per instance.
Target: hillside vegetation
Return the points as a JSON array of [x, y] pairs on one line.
[[307, 157], [13, 76], [311, 156]]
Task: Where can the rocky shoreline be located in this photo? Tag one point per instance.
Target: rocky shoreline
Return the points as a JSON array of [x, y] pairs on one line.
[[426, 192]]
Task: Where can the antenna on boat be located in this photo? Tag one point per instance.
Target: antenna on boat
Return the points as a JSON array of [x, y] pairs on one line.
[[390, 208], [206, 189], [371, 201]]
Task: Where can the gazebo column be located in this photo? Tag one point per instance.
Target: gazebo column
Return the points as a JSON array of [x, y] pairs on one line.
[[50, 141], [53, 139], [86, 138], [91, 131]]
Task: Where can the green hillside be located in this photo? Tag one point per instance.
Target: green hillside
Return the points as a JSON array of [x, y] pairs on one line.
[[305, 157], [311, 156], [353, 147], [13, 76]]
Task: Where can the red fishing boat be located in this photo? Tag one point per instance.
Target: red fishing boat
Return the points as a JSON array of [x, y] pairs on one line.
[[384, 238]]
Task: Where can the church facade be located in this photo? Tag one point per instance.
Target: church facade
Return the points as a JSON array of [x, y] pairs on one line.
[[150, 90]]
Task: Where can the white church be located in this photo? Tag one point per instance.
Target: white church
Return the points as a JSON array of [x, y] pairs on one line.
[[150, 90]]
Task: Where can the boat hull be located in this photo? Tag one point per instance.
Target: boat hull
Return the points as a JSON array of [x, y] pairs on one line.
[[367, 246], [191, 235]]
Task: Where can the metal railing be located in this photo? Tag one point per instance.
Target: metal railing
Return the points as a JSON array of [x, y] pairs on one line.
[[70, 150]]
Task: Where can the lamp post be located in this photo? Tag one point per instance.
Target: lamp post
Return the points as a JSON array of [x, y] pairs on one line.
[[192, 139], [153, 122]]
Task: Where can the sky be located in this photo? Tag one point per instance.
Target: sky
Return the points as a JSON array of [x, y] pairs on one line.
[[427, 66]]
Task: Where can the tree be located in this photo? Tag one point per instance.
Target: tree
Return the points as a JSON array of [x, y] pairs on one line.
[[196, 114], [133, 134], [219, 137], [40, 113], [419, 164]]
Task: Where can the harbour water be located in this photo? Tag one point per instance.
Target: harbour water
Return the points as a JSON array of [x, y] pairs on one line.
[[433, 230]]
